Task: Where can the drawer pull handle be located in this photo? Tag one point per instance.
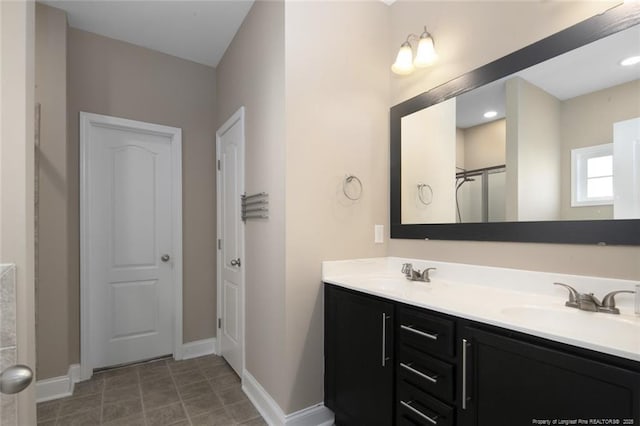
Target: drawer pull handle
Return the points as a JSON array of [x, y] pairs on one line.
[[421, 333], [384, 339], [465, 345], [419, 413], [432, 379]]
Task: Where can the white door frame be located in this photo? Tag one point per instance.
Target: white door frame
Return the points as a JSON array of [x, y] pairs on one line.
[[17, 106], [175, 134], [237, 116]]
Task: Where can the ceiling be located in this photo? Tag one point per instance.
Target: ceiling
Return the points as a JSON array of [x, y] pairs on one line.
[[590, 68], [199, 31]]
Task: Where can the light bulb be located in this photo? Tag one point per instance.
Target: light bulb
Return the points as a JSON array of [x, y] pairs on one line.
[[490, 114], [404, 61], [426, 54]]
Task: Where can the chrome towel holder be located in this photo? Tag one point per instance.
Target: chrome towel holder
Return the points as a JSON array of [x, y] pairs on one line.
[[421, 193], [348, 180], [255, 206]]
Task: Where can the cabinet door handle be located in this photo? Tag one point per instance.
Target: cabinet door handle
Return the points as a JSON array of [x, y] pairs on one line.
[[421, 333], [465, 345], [432, 379], [432, 420], [384, 339]]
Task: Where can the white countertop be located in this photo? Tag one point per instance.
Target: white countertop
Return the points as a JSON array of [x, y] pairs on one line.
[[524, 301]]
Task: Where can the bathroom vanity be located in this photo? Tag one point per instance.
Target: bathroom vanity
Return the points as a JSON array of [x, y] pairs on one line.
[[492, 346], [476, 346]]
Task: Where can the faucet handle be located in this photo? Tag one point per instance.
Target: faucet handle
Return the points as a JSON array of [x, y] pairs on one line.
[[573, 295], [425, 274], [406, 269], [609, 303]]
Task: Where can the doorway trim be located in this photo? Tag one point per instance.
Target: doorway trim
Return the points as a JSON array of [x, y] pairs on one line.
[[237, 116], [88, 120]]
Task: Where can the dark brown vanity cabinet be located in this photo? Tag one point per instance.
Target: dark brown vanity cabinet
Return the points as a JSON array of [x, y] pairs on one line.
[[425, 368], [359, 361], [443, 370], [511, 381]]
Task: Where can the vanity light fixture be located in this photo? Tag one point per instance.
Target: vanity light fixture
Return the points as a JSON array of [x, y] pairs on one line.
[[631, 60], [490, 114], [425, 54]]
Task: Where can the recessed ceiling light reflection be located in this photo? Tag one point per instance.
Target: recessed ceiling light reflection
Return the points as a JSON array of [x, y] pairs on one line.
[[490, 114], [632, 60]]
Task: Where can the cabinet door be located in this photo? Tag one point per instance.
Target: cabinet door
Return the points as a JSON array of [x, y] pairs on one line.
[[358, 358], [511, 382]]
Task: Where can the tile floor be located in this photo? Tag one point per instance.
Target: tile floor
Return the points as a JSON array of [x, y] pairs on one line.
[[199, 391]]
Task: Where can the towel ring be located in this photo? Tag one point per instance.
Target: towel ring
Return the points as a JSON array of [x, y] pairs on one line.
[[347, 180], [421, 187]]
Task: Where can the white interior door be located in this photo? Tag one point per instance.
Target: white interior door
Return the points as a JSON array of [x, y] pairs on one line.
[[130, 252], [230, 152]]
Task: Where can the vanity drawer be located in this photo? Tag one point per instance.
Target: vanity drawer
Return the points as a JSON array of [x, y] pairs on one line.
[[425, 332], [417, 408], [426, 373]]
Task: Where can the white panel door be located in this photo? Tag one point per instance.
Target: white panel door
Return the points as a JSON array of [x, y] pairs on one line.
[[230, 149], [130, 244]]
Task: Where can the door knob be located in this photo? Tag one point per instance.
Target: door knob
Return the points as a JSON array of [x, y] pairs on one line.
[[15, 379], [165, 258], [235, 262]]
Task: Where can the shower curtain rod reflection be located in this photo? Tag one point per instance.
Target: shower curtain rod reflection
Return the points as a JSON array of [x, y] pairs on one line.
[[477, 172]]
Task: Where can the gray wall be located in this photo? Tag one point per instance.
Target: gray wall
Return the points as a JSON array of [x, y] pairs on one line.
[[309, 120], [337, 91], [54, 276], [110, 77], [484, 145], [251, 74], [532, 153], [586, 121]]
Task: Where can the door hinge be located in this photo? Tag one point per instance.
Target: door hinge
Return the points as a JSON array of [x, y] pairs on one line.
[[218, 164], [219, 322], [219, 244]]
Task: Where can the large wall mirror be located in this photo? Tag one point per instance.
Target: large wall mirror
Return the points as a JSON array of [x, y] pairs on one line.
[[542, 145]]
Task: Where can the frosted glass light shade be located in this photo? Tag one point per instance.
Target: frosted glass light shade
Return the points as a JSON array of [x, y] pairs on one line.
[[632, 60], [404, 61], [426, 54]]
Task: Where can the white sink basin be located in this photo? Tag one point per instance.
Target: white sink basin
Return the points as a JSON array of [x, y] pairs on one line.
[[384, 283], [397, 284], [567, 319]]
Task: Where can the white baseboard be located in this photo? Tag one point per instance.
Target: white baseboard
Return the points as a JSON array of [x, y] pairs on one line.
[[62, 386], [58, 387], [263, 402], [317, 415], [199, 348]]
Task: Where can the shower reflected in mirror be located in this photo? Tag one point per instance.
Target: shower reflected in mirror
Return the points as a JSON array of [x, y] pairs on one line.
[[480, 194]]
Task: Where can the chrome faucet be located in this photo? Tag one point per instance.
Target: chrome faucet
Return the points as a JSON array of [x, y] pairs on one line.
[[415, 274], [588, 302]]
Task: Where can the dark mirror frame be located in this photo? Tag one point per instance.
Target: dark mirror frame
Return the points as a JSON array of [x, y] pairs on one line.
[[614, 232]]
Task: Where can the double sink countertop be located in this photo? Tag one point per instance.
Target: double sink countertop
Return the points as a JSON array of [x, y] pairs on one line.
[[519, 300]]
